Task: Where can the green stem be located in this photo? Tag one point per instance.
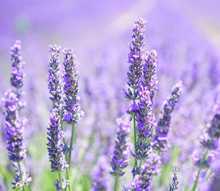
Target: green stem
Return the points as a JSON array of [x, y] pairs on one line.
[[196, 181], [69, 154], [116, 183], [133, 121], [72, 142], [195, 184]]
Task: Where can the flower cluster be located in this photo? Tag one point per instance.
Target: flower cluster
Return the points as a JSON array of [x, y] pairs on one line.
[[17, 73], [72, 111], [174, 183], [149, 78], [209, 142], [55, 142], [14, 123], [121, 149], [54, 77], [145, 124], [13, 127], [162, 129], [143, 181], [99, 179], [135, 58]]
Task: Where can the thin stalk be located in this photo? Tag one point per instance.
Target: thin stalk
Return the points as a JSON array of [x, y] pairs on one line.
[[67, 173], [116, 183], [195, 184], [72, 142], [133, 121], [196, 181]]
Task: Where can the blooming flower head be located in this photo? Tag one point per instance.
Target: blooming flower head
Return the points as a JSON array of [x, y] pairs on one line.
[[121, 149], [13, 127], [145, 123], [149, 79], [162, 130], [72, 111], [143, 181], [135, 58], [54, 77], [17, 73], [55, 142]]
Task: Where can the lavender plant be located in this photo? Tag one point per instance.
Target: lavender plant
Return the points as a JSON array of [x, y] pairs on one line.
[[163, 125], [14, 123], [55, 134], [209, 144], [121, 150]]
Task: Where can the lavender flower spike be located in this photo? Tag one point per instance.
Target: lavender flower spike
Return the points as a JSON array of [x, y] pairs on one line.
[[174, 184], [99, 178], [14, 138], [54, 77], [120, 153], [13, 128], [72, 111], [143, 181], [145, 124], [135, 58], [55, 142], [149, 79], [162, 130], [17, 73]]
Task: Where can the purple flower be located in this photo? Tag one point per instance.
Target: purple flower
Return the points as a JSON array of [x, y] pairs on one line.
[[72, 111], [55, 142], [99, 176], [54, 77], [135, 58], [174, 183], [17, 73], [149, 79], [162, 129], [121, 149], [13, 127], [143, 181], [145, 124], [209, 141]]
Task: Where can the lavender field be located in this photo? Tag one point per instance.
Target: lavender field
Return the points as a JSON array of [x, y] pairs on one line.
[[109, 95]]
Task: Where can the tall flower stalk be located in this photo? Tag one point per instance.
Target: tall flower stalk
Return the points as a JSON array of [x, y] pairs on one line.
[[163, 125], [120, 154], [71, 108], [135, 58], [209, 144], [55, 134], [14, 123]]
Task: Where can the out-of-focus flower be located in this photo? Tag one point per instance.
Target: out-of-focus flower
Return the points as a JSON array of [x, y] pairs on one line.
[[17, 73], [14, 123], [209, 141], [174, 183], [121, 149], [99, 176], [13, 127], [162, 129]]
